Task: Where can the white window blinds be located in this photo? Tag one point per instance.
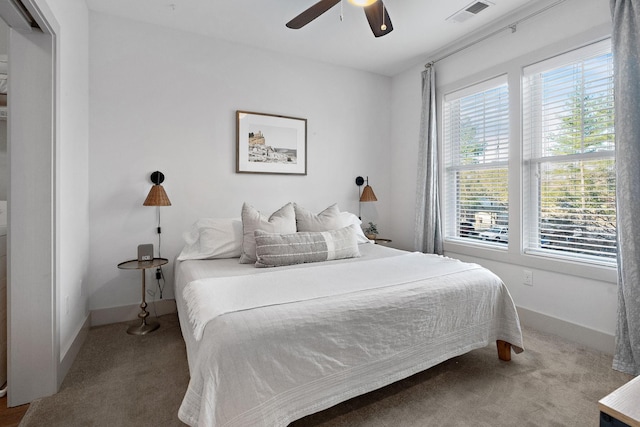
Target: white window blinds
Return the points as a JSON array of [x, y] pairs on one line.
[[476, 147], [568, 153]]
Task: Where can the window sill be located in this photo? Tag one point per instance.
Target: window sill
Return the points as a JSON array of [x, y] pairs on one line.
[[508, 255]]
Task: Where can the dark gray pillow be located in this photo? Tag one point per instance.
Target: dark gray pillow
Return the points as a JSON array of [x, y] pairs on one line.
[[274, 250]]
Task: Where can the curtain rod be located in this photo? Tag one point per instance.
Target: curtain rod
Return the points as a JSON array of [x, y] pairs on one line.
[[512, 27]]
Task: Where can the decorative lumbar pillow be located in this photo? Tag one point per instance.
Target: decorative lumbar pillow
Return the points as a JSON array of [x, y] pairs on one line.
[[211, 238], [274, 250], [328, 219], [281, 221]]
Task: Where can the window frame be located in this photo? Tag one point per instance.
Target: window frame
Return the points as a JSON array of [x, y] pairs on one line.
[[449, 190], [514, 254], [532, 163]]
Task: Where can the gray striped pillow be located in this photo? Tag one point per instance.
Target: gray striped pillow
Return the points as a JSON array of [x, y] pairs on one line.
[[274, 250]]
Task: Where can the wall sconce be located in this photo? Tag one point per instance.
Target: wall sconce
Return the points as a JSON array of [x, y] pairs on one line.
[[367, 194], [157, 196]]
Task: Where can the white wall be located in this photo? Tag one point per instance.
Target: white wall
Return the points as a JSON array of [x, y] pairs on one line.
[[166, 100], [72, 169], [566, 302]]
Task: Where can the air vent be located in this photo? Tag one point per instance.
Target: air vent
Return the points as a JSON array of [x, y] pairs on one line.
[[477, 7], [469, 11]]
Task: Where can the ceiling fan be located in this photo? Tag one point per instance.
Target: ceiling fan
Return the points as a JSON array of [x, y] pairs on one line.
[[375, 11]]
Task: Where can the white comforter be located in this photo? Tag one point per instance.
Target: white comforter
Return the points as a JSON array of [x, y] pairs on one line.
[[277, 346]]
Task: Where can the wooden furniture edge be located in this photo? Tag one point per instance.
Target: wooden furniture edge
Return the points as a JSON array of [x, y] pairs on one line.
[[621, 403], [504, 350], [619, 416]]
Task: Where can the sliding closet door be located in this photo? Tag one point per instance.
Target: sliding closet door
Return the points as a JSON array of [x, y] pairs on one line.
[[33, 347]]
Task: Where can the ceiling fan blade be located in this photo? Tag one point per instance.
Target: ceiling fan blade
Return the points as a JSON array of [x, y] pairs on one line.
[[312, 13], [374, 13]]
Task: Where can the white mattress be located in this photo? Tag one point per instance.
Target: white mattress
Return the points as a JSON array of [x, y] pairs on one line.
[[267, 359]]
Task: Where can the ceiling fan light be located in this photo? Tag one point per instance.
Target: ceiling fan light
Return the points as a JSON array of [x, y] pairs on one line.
[[362, 3]]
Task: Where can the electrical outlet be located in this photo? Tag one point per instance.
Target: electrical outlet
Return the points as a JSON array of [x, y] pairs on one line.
[[527, 277], [66, 304]]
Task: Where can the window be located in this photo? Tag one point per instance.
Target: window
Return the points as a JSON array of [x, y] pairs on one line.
[[568, 156], [476, 147]]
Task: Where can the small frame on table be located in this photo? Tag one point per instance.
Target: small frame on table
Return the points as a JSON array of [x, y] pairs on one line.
[[268, 143]]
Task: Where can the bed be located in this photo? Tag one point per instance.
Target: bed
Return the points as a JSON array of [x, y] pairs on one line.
[[267, 346]]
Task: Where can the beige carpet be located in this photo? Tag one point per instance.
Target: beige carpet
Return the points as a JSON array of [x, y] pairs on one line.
[[124, 380]]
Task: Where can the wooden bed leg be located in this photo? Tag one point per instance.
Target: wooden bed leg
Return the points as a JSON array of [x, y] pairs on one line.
[[504, 350]]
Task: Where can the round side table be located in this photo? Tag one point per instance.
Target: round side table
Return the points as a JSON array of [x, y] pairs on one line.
[[145, 327]]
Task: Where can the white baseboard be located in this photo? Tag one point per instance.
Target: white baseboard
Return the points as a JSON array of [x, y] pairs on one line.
[[70, 355], [587, 337], [106, 316]]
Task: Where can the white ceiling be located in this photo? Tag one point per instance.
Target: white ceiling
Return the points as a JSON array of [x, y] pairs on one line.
[[420, 27]]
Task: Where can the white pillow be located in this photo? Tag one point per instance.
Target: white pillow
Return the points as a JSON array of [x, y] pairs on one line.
[[348, 218], [328, 219], [274, 250], [281, 221], [211, 238]]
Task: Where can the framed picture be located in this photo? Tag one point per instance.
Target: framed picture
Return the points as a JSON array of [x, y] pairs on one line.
[[268, 143]]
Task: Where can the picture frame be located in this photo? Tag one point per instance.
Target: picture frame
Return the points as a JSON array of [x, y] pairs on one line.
[[270, 143]]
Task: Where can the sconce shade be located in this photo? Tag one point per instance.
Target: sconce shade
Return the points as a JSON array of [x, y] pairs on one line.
[[157, 197], [368, 194]]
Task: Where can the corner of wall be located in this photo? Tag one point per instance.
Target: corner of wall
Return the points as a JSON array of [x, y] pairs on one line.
[[69, 355]]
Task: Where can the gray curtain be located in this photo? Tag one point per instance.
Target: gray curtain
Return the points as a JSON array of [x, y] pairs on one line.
[[626, 54], [428, 229]]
